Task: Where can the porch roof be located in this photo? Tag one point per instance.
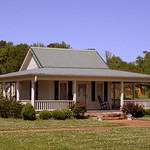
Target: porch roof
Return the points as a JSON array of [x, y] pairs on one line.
[[77, 72]]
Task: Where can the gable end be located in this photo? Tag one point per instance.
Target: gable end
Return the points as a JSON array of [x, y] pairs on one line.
[[29, 62]]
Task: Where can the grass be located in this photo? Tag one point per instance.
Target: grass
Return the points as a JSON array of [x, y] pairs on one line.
[[145, 118], [110, 139], [19, 124]]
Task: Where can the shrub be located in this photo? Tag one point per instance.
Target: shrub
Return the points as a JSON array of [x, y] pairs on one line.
[[67, 113], [149, 93], [28, 112], [147, 111], [45, 115], [78, 110], [10, 108], [58, 114], [135, 110]]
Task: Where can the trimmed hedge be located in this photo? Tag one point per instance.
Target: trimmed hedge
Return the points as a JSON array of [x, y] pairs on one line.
[[61, 114], [45, 115], [67, 113], [58, 114], [28, 112]]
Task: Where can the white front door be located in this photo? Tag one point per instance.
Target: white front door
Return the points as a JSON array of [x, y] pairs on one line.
[[81, 93]]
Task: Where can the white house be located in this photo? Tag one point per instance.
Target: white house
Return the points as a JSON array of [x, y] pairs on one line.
[[52, 78]]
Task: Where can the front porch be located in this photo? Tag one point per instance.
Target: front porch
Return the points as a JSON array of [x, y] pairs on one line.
[[60, 104], [59, 94]]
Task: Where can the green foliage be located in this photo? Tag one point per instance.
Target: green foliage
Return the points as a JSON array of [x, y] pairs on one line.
[[78, 110], [28, 112], [141, 64], [11, 57], [67, 113], [45, 115], [135, 110], [149, 93], [147, 111], [38, 45], [58, 114], [10, 108], [115, 62], [59, 45], [2, 44], [61, 114]]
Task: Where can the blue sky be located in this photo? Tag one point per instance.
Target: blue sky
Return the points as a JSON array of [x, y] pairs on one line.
[[119, 26]]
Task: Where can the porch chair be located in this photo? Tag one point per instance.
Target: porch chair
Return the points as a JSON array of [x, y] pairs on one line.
[[103, 104]]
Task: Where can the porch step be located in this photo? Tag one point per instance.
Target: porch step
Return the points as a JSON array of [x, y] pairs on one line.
[[105, 115]]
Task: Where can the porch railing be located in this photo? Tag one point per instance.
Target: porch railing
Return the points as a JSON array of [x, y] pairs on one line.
[[144, 103], [52, 104], [25, 101]]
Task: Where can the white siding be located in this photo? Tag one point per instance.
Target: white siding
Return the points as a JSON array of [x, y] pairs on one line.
[[32, 64], [24, 89], [46, 90]]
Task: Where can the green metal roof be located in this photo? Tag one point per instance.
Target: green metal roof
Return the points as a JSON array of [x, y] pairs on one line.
[[70, 62], [68, 58]]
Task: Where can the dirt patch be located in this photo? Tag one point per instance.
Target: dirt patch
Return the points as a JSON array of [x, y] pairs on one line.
[[129, 123], [132, 123]]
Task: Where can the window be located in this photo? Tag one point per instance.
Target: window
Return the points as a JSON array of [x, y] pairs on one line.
[[100, 90], [63, 91]]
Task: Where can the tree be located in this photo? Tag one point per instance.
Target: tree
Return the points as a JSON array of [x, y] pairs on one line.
[[11, 57], [116, 63], [38, 44], [59, 45], [2, 44], [143, 63]]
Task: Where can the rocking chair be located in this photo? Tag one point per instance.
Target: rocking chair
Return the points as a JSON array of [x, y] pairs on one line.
[[103, 105]]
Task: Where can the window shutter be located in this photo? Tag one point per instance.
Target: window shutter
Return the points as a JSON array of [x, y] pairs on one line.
[[70, 96], [56, 90], [93, 91], [105, 91]]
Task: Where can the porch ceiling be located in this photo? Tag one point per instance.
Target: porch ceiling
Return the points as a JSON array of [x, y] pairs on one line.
[[104, 73]]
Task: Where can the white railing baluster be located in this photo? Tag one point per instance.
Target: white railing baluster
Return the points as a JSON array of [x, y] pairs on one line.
[[144, 103], [52, 104]]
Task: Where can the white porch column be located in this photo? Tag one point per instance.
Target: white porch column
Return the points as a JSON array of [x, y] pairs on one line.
[[122, 95], [75, 91], [32, 92], [17, 91], [4, 89]]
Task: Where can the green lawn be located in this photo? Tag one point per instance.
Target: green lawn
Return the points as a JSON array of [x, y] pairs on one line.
[[146, 118], [108, 139], [19, 124]]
